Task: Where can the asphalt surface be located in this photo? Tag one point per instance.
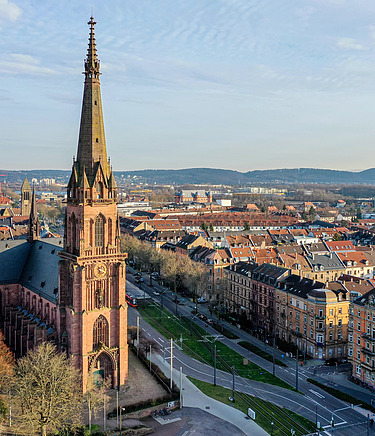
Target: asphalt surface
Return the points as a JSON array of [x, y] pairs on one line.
[[314, 404]]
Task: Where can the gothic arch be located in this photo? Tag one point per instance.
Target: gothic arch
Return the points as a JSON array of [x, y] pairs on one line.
[[100, 189], [104, 368], [99, 231], [100, 332]]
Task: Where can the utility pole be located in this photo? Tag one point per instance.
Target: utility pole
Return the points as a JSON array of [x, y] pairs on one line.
[[180, 387], [104, 414], [297, 370], [171, 380], [137, 335], [233, 388], [215, 365], [273, 358], [150, 357], [117, 415]]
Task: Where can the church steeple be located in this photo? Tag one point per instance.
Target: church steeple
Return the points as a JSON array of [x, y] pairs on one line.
[[34, 224], [92, 150]]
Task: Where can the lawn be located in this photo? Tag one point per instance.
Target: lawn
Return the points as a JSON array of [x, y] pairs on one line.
[[342, 395], [283, 419], [261, 353], [200, 345]]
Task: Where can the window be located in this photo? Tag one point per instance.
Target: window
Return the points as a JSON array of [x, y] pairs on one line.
[[350, 351], [311, 334], [340, 310], [359, 312], [311, 321], [358, 340], [358, 369], [312, 309], [297, 315], [350, 337], [320, 312], [340, 322], [358, 355], [99, 231], [331, 312], [331, 336], [339, 335], [305, 318], [330, 324], [109, 231], [359, 325], [100, 332], [320, 325]]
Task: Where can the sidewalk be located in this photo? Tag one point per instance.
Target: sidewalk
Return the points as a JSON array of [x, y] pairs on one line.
[[193, 397]]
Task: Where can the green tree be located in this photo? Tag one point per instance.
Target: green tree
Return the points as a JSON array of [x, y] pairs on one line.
[[359, 213], [204, 226], [6, 363], [47, 391], [211, 227], [246, 225]]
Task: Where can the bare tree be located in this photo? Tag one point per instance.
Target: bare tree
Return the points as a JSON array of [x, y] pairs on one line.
[[6, 363], [47, 392], [96, 396]]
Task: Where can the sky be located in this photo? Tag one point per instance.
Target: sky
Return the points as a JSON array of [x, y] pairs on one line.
[[234, 84]]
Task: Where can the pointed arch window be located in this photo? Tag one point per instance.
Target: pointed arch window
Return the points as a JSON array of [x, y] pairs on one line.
[[99, 231], [73, 224], [100, 332], [109, 231], [100, 190]]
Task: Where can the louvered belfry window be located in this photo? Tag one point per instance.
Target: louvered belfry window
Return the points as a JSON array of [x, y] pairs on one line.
[[99, 231]]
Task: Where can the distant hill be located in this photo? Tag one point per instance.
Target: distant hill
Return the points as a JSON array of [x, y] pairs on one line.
[[214, 176]]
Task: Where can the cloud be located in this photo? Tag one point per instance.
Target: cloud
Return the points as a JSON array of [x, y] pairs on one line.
[[349, 44], [18, 63], [9, 11]]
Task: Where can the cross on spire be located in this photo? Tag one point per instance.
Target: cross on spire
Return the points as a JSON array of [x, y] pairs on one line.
[[92, 64]]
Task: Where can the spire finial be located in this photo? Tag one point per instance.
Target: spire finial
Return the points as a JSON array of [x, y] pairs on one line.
[[92, 64]]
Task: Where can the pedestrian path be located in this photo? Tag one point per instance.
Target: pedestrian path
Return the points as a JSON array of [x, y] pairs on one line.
[[193, 397]]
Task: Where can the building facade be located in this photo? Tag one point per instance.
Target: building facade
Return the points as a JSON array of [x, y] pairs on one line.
[[74, 297]]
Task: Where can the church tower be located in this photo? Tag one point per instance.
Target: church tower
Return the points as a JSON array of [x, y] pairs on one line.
[[34, 224], [93, 309], [25, 198]]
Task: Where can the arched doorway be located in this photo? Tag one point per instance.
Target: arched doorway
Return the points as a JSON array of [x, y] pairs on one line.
[[103, 369]]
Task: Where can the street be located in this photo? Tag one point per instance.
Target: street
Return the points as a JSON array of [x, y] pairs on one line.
[[315, 404]]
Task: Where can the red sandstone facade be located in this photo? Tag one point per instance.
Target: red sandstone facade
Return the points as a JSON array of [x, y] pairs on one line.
[[93, 309]]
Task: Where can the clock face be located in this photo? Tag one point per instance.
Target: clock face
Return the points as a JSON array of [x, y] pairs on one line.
[[100, 270], [71, 268]]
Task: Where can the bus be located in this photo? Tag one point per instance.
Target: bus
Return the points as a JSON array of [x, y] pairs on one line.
[[132, 301]]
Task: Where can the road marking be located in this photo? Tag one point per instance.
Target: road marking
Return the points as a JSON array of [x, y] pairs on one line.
[[160, 339], [316, 393]]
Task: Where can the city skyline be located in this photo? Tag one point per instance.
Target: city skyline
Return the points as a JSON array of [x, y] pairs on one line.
[[242, 85]]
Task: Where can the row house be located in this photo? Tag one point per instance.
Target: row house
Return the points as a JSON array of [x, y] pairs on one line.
[[361, 338], [214, 261], [295, 309], [312, 318]]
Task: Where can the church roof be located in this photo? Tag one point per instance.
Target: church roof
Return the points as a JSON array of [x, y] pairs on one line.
[[34, 266]]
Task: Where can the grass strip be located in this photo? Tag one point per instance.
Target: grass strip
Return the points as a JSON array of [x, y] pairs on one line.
[[227, 333], [200, 345], [342, 395], [265, 412], [261, 353]]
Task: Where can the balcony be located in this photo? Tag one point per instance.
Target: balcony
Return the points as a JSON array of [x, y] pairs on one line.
[[368, 351], [368, 337], [320, 317], [319, 344], [320, 329]]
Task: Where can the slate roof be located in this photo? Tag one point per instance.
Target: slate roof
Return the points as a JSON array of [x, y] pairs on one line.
[[33, 266], [268, 273], [13, 255], [324, 262], [299, 286]]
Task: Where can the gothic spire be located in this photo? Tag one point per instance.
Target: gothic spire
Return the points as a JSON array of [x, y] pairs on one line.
[[34, 224], [92, 151]]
